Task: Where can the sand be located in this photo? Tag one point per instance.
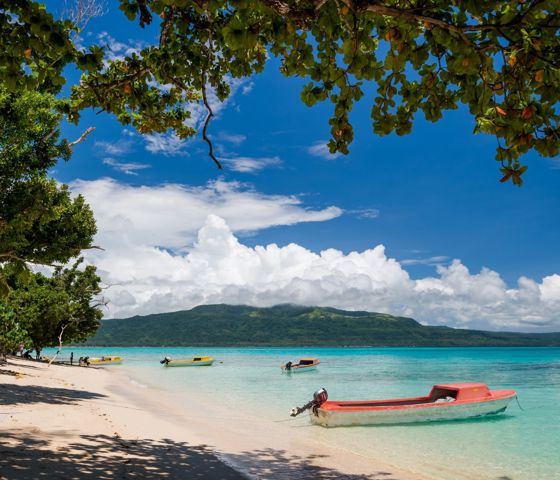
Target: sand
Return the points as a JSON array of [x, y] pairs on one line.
[[63, 422]]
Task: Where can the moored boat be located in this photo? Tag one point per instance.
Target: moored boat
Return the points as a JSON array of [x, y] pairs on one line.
[[201, 361], [304, 365], [445, 402], [105, 360]]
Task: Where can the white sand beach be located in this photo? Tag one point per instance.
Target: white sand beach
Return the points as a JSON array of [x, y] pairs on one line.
[[92, 423]]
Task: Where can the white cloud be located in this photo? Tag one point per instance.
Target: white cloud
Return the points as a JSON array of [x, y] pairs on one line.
[[247, 88], [116, 148], [320, 149], [431, 261], [126, 167], [173, 247], [170, 145], [364, 213], [251, 164], [234, 139], [199, 111], [169, 216], [165, 144], [116, 50]]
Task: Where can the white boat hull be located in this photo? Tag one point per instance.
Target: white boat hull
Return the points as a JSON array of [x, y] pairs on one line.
[[189, 364], [435, 412], [99, 362], [300, 369]]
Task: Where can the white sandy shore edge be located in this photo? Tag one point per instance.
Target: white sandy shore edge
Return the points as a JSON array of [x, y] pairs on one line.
[[106, 426]]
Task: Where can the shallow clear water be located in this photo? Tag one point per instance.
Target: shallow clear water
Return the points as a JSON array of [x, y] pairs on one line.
[[519, 445]]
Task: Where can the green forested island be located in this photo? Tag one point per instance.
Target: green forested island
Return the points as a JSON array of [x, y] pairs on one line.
[[290, 325]]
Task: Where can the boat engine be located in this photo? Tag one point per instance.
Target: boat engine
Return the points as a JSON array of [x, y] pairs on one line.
[[319, 397], [165, 361]]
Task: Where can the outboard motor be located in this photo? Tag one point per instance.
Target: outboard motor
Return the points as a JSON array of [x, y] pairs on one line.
[[319, 397], [165, 361]]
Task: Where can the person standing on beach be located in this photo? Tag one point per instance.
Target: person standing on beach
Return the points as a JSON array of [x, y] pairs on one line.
[[71, 358]]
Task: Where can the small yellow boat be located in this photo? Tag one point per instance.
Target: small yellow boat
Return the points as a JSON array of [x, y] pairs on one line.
[[105, 360], [202, 361]]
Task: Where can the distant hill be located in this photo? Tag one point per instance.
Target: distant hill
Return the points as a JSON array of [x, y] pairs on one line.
[[289, 325]]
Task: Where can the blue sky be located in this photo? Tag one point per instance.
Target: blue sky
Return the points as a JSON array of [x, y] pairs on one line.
[[428, 197]]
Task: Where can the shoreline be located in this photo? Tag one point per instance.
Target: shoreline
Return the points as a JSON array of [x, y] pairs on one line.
[[64, 422], [102, 421]]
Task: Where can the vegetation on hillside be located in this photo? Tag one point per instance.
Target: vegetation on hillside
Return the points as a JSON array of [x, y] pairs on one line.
[[288, 325]]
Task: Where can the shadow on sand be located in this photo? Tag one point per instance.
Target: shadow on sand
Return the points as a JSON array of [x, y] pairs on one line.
[[11, 394], [31, 454], [24, 456], [280, 464]]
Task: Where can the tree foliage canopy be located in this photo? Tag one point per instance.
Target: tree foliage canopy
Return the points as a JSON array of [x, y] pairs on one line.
[[39, 220], [64, 306], [499, 58]]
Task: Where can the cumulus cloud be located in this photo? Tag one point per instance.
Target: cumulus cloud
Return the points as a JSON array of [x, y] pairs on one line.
[[173, 247]]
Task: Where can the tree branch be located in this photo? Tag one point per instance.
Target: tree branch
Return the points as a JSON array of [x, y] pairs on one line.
[[166, 25], [408, 14], [415, 18], [119, 82], [82, 137], [59, 344], [94, 247], [206, 122]]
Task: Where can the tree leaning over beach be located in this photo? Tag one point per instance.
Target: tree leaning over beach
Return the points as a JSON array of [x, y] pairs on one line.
[[40, 222], [64, 307], [499, 59]]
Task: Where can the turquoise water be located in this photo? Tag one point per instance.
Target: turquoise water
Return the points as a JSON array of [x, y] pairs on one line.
[[519, 445]]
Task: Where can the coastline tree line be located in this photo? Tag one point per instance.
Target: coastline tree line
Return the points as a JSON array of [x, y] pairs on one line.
[[422, 57]]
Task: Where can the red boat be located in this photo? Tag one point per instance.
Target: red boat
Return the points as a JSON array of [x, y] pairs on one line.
[[445, 402]]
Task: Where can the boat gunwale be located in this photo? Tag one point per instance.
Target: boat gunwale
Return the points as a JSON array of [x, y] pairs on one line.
[[297, 366], [416, 403], [201, 361]]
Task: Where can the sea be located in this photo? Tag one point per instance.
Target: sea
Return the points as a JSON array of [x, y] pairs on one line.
[[521, 444]]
